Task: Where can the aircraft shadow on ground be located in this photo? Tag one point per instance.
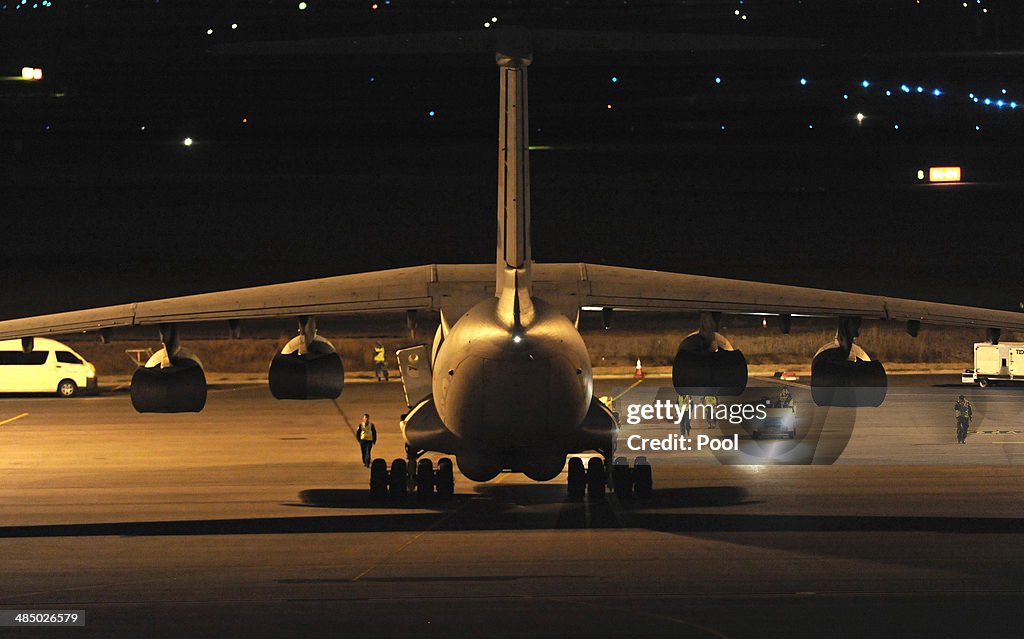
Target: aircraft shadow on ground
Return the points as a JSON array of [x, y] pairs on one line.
[[538, 507]]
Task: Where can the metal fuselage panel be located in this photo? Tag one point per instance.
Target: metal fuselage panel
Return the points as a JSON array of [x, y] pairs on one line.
[[498, 393]]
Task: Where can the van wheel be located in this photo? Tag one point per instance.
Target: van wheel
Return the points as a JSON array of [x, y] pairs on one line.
[[67, 388], [982, 383]]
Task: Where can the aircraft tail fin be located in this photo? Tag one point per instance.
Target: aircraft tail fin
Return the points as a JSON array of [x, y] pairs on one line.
[[513, 168]]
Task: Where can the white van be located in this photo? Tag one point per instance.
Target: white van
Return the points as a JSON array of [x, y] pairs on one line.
[[50, 367]]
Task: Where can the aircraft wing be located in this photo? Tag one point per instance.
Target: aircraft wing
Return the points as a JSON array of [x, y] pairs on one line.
[[638, 289], [457, 286]]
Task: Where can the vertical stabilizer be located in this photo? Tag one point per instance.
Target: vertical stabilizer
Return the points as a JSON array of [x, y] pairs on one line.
[[513, 169]]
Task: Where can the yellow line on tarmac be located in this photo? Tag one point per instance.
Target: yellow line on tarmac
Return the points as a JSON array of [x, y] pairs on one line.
[[635, 384], [7, 421]]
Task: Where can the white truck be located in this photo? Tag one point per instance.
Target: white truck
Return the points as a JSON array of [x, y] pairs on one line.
[[994, 363]]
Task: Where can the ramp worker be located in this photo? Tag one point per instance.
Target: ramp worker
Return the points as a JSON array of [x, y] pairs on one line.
[[366, 435], [785, 398], [964, 415], [380, 366], [684, 415]]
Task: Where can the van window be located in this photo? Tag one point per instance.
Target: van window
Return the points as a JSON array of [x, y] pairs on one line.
[[18, 358], [67, 357]]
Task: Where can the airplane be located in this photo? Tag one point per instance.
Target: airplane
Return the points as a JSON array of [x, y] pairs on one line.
[[507, 384]]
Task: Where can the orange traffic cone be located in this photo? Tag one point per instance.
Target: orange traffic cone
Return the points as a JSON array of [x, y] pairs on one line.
[[639, 374]]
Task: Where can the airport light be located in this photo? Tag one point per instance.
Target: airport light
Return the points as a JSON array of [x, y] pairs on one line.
[[803, 82], [31, 73], [302, 6], [865, 84], [944, 174], [209, 32], [920, 174], [234, 25], [860, 118], [888, 93], [187, 141]]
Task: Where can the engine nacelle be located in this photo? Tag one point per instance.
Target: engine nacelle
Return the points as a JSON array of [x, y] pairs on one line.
[[852, 380], [699, 370], [316, 374], [177, 388]]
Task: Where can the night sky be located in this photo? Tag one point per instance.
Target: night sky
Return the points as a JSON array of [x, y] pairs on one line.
[[333, 140]]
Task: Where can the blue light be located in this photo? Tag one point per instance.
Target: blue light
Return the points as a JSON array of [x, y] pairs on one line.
[[896, 126], [936, 93], [803, 81], [723, 127], [970, 95], [920, 89], [1000, 103], [373, 78], [718, 79], [430, 113], [846, 96], [987, 101], [615, 79], [975, 99], [1004, 91], [1013, 105], [810, 126], [888, 93], [977, 127], [904, 88], [865, 84]]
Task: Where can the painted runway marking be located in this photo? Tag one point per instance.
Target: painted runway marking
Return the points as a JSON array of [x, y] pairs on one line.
[[631, 387], [8, 421]]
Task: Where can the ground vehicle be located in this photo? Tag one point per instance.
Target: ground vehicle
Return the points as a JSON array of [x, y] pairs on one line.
[[50, 367], [779, 420], [993, 363]]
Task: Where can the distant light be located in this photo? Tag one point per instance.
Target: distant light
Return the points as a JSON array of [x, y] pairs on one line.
[[904, 88], [487, 25], [920, 89], [517, 339], [302, 6], [494, 18], [975, 98], [988, 101], [723, 127], [1004, 91], [865, 84], [615, 79], [888, 93], [187, 141], [142, 128], [245, 120], [1000, 103], [744, 16], [609, 106], [373, 78], [977, 127], [860, 118], [944, 174], [26, 73], [375, 6], [1013, 105], [803, 81], [209, 32], [920, 174], [810, 126], [846, 96], [234, 25], [736, 12], [718, 79], [431, 113], [970, 95], [936, 93], [896, 126]]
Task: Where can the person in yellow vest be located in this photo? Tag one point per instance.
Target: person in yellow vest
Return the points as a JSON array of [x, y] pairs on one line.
[[684, 410], [711, 402], [366, 435], [964, 415], [380, 365]]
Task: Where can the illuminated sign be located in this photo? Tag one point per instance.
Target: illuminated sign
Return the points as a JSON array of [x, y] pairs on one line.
[[944, 174]]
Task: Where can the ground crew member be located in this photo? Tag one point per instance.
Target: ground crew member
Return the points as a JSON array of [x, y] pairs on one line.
[[785, 398], [380, 365], [684, 410], [711, 401], [964, 415], [366, 435]]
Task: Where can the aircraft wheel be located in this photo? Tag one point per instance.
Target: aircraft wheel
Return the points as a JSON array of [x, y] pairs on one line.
[[397, 481], [622, 477], [643, 479], [378, 479], [424, 478], [596, 478], [445, 478], [577, 478]]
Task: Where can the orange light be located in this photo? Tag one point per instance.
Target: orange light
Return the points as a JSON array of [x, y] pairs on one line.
[[37, 74], [944, 174]]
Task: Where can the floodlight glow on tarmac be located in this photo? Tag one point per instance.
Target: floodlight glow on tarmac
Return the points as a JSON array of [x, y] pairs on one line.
[[944, 174]]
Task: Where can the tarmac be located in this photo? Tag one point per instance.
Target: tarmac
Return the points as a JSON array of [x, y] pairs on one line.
[[253, 518]]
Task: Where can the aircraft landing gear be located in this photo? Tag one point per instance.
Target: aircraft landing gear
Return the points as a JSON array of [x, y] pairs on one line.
[[378, 479], [622, 477], [596, 479], [643, 479], [577, 479], [424, 479]]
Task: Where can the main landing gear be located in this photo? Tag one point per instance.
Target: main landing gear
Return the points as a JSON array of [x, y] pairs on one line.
[[625, 481], [425, 480]]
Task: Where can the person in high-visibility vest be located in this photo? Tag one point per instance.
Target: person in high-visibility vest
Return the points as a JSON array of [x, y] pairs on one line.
[[964, 415], [711, 402], [366, 435], [684, 409], [380, 366]]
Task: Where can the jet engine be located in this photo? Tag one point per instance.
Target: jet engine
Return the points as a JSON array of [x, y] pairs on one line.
[[842, 373], [707, 364], [308, 367], [169, 384]]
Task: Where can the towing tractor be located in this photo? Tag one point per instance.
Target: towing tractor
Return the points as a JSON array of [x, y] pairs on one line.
[[995, 363]]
